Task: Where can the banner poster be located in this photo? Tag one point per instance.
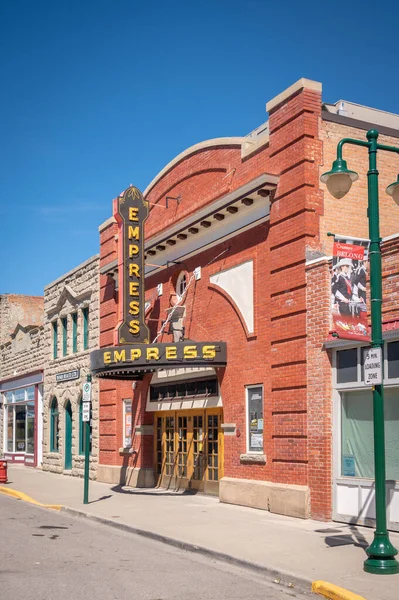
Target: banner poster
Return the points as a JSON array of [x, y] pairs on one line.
[[349, 288]]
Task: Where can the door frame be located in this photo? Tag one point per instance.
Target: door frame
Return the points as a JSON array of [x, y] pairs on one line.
[[174, 480]]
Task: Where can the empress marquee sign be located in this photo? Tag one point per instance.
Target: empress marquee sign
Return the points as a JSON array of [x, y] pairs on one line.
[[132, 354]]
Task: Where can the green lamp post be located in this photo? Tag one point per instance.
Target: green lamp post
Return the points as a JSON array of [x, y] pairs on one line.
[[381, 553]]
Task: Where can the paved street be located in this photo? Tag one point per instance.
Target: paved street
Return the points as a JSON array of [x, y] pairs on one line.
[[48, 555]]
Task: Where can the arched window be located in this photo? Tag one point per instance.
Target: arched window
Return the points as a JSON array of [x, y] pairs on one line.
[[54, 426], [181, 285], [82, 444]]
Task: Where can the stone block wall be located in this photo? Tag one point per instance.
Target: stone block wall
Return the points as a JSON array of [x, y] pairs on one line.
[[18, 309], [71, 293]]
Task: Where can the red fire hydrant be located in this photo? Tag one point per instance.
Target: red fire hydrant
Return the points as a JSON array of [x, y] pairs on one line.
[[3, 471]]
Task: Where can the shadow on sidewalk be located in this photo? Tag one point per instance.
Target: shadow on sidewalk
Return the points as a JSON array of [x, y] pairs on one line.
[[99, 499], [119, 489]]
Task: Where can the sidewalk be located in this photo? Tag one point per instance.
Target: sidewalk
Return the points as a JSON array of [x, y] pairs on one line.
[[294, 550]]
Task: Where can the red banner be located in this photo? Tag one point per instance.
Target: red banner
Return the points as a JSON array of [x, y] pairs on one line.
[[349, 288]]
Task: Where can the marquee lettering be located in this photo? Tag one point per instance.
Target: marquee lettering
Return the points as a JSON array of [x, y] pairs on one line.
[[130, 211]]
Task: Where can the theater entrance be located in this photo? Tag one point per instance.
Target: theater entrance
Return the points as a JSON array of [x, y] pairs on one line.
[[189, 449]]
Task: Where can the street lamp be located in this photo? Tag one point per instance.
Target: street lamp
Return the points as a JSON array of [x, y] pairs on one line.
[[381, 553]]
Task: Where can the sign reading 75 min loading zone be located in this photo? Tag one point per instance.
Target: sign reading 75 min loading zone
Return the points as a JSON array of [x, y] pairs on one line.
[[372, 360]]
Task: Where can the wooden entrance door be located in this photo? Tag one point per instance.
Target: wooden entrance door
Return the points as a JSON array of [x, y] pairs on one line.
[[189, 450]]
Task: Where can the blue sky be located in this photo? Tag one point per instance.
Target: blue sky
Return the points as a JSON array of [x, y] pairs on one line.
[[99, 94]]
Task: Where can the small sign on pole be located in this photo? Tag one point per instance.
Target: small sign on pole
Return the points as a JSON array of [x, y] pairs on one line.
[[86, 392], [372, 360], [86, 412], [86, 402]]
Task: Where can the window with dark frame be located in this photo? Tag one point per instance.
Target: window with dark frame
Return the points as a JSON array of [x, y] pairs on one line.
[[74, 332], [64, 322], [185, 389], [55, 339], [54, 426], [85, 313]]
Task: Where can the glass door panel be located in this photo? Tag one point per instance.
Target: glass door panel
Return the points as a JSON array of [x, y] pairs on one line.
[[182, 447], [10, 428], [20, 431], [169, 446], [30, 427], [213, 447], [198, 447]]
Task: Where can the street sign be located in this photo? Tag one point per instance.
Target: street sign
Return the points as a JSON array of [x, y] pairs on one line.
[[372, 360], [86, 412], [87, 392]]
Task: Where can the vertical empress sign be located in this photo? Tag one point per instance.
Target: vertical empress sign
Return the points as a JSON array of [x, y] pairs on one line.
[[130, 211]]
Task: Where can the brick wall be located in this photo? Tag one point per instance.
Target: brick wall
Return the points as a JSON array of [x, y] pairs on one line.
[[319, 374], [16, 308], [349, 215]]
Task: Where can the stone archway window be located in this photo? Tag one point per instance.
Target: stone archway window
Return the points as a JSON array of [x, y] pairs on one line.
[[54, 426]]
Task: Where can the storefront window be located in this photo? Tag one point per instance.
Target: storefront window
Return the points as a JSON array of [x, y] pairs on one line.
[[30, 428], [10, 429], [347, 365], [255, 418], [20, 406], [357, 446]]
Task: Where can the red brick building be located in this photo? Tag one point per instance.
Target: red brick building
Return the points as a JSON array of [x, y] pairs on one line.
[[234, 227]]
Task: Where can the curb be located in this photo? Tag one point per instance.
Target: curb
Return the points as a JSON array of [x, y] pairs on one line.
[[333, 592], [281, 578], [25, 498]]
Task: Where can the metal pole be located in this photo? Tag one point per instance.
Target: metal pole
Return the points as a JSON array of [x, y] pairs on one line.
[[87, 456], [381, 553]]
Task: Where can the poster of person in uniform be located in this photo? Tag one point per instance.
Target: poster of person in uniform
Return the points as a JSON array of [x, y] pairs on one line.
[[349, 289]]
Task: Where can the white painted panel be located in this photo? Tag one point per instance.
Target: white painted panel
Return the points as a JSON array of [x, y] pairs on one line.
[[394, 506], [19, 458], [238, 282], [347, 500], [367, 503]]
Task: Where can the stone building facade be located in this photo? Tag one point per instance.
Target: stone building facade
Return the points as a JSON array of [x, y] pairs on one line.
[[21, 378], [233, 224], [71, 332]]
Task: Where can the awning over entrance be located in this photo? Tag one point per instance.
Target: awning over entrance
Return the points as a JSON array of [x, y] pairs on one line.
[[132, 361]]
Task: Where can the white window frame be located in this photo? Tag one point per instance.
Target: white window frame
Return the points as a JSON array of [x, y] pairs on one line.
[[249, 387], [182, 275], [126, 401]]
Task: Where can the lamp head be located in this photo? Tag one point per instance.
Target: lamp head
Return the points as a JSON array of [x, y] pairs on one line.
[[393, 190], [339, 180]]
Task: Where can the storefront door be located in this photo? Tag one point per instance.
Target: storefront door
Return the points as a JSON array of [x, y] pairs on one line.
[[189, 450], [68, 436]]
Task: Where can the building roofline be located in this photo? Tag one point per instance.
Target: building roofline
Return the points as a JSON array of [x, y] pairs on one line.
[[212, 143], [83, 264]]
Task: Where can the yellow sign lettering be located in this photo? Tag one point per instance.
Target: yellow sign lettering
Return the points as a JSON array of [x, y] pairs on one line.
[[209, 352], [134, 270], [170, 352], [152, 354], [134, 288], [134, 327], [190, 352], [135, 353], [134, 307], [133, 250], [119, 356], [133, 212], [107, 358]]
